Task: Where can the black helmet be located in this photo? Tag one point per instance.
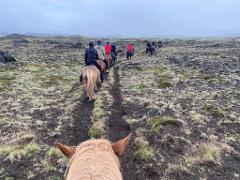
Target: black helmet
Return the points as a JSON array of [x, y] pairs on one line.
[[91, 44], [99, 42]]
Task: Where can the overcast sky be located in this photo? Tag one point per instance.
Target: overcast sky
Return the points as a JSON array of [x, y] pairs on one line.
[[130, 18]]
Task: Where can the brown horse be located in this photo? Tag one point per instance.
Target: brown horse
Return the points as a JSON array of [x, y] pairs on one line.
[[91, 76], [94, 159], [102, 66], [108, 59]]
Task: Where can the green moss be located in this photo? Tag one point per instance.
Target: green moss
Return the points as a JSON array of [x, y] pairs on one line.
[[157, 70], [214, 110], [143, 151], [50, 167], [142, 87], [6, 82], [164, 80], [55, 178], [16, 152], [164, 84], [9, 178], [97, 129], [54, 80], [177, 168], [54, 152], [158, 121]]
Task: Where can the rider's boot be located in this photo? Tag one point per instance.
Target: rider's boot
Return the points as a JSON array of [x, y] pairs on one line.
[[81, 79], [101, 77]]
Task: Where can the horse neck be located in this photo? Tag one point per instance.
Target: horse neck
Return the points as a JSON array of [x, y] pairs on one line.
[[93, 162]]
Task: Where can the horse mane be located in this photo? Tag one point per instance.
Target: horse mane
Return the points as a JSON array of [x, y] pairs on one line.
[[83, 163]]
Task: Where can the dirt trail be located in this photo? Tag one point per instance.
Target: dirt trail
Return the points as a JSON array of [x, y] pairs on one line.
[[118, 128], [78, 132]]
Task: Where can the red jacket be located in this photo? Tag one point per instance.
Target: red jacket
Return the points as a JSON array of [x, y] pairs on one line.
[[130, 47], [108, 49]]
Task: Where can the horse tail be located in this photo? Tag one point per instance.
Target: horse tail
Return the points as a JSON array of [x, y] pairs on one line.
[[90, 84]]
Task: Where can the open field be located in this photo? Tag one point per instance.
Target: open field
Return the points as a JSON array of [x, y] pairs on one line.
[[182, 105]]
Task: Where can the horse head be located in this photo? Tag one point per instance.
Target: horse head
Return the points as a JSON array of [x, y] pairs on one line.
[[95, 159]]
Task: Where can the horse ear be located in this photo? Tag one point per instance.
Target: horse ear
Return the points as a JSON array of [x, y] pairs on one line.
[[66, 150], [120, 146]]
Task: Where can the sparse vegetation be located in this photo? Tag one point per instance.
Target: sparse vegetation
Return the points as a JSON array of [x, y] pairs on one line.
[[142, 87], [181, 105], [205, 154], [158, 121], [97, 129], [214, 110], [54, 152], [16, 152], [143, 151]]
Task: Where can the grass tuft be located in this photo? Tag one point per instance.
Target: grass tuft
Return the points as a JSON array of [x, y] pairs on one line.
[[158, 121], [97, 129], [143, 150], [214, 110], [16, 152]]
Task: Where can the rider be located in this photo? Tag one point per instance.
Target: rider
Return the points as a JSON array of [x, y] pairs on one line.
[[148, 47], [91, 57], [108, 48], [153, 48], [100, 50], [129, 51], [114, 52]]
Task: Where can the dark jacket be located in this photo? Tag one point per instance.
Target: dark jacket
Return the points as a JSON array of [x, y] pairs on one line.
[[114, 49], [148, 45], [90, 55]]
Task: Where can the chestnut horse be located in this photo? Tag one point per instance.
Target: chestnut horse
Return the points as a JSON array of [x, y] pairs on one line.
[[95, 159], [108, 59], [102, 65], [90, 76]]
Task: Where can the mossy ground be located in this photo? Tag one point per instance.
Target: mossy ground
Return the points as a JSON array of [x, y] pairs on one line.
[[182, 106]]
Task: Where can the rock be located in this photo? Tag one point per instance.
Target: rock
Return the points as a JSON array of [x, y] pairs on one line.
[[77, 45], [68, 45], [5, 57]]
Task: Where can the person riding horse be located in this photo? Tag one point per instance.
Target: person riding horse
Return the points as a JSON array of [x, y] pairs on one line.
[[100, 50], [130, 51], [114, 52], [148, 48], [153, 48], [108, 56], [159, 44], [108, 48], [91, 57]]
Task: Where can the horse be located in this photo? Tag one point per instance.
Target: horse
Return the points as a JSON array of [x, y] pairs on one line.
[[94, 159], [91, 76], [102, 65], [152, 50], [108, 60], [159, 44]]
